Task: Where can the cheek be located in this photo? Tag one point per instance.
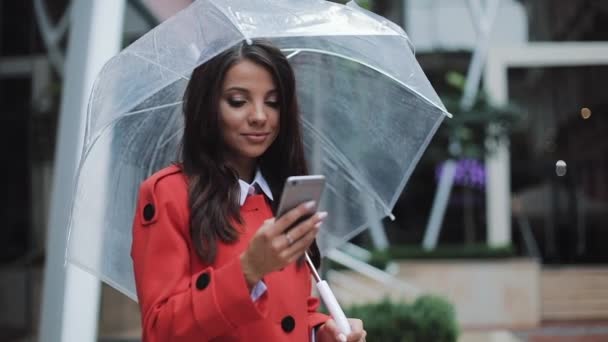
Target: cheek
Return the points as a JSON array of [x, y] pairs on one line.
[[275, 119], [228, 120], [275, 122]]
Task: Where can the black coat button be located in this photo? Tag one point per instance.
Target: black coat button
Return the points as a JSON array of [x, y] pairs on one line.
[[288, 324], [148, 212], [202, 281]]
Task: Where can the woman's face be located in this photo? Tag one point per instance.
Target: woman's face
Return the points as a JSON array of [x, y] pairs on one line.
[[249, 112]]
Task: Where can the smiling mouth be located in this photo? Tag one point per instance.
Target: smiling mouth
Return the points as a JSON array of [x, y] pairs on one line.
[[256, 137], [256, 134]]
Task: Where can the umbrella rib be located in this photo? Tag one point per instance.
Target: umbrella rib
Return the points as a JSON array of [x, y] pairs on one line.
[[158, 146], [104, 128], [236, 25], [158, 65], [373, 68], [166, 141], [415, 162], [149, 109], [293, 54], [342, 159]]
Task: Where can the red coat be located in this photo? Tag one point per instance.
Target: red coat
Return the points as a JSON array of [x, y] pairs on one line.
[[183, 299]]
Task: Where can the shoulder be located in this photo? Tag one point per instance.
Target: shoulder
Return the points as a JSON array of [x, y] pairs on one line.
[[167, 185], [166, 189], [171, 177]]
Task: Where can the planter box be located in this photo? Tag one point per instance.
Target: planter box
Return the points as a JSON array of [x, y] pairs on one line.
[[485, 293]]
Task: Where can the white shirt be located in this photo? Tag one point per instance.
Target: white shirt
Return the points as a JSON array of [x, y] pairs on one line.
[[249, 189]]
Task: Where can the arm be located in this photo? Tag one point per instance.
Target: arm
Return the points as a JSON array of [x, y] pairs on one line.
[[174, 303]]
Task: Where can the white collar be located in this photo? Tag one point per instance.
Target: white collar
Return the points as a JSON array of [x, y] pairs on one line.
[[247, 188]]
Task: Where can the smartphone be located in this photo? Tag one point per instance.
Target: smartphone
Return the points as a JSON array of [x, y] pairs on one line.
[[300, 189]]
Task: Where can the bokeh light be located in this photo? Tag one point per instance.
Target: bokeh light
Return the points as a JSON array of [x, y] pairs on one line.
[[585, 113]]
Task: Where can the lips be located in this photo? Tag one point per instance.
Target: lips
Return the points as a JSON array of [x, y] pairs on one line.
[[256, 137]]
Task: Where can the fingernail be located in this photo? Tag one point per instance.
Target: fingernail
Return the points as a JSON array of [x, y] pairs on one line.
[[318, 224], [310, 205], [342, 337], [322, 215]]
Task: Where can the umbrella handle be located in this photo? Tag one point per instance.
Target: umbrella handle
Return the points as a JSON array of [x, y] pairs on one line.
[[334, 307]]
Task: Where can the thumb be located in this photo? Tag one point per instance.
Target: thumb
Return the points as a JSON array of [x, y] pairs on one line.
[[334, 331]]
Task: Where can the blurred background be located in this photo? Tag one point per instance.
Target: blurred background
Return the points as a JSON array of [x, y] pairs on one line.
[[500, 233]]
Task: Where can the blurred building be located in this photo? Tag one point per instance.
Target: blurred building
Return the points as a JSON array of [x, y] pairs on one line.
[[567, 213], [565, 216], [32, 51], [557, 219]]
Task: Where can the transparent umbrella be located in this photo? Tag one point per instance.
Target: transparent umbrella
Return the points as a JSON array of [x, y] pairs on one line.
[[368, 113]]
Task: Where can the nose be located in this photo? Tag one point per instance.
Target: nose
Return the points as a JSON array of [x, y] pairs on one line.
[[258, 115]]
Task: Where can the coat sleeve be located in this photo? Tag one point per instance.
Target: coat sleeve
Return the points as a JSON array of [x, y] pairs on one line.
[[175, 304]]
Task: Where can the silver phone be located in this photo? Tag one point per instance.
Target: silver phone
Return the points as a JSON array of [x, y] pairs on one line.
[[300, 189]]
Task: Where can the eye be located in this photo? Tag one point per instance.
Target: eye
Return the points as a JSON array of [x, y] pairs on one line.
[[236, 103], [272, 104]]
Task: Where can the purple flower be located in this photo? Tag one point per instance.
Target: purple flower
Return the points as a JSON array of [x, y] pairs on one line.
[[469, 172]]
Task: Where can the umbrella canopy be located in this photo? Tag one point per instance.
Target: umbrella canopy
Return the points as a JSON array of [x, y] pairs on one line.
[[368, 113]]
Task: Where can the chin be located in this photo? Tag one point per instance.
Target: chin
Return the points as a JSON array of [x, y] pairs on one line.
[[254, 153]]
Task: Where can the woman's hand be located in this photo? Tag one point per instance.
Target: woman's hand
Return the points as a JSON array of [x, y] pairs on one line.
[[329, 332], [272, 248]]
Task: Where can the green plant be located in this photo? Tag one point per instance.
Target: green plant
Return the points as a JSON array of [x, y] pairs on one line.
[[436, 319], [472, 133], [429, 318], [474, 251], [381, 258]]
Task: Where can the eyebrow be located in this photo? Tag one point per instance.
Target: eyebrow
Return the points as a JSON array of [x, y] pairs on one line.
[[237, 89], [245, 90]]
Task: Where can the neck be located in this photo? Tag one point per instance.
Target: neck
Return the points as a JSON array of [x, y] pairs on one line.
[[245, 168]]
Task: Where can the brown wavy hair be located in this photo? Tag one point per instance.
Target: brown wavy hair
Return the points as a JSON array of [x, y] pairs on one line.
[[213, 188]]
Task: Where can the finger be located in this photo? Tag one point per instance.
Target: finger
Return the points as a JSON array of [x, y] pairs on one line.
[[303, 228], [357, 332], [266, 225], [355, 336], [300, 246], [292, 216], [333, 330], [287, 239], [331, 327], [355, 324]]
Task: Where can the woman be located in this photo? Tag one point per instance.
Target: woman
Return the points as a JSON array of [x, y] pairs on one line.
[[211, 263]]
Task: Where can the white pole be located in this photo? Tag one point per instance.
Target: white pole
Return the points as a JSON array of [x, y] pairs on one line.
[[484, 26], [70, 303], [498, 193], [498, 185], [498, 164], [440, 203]]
